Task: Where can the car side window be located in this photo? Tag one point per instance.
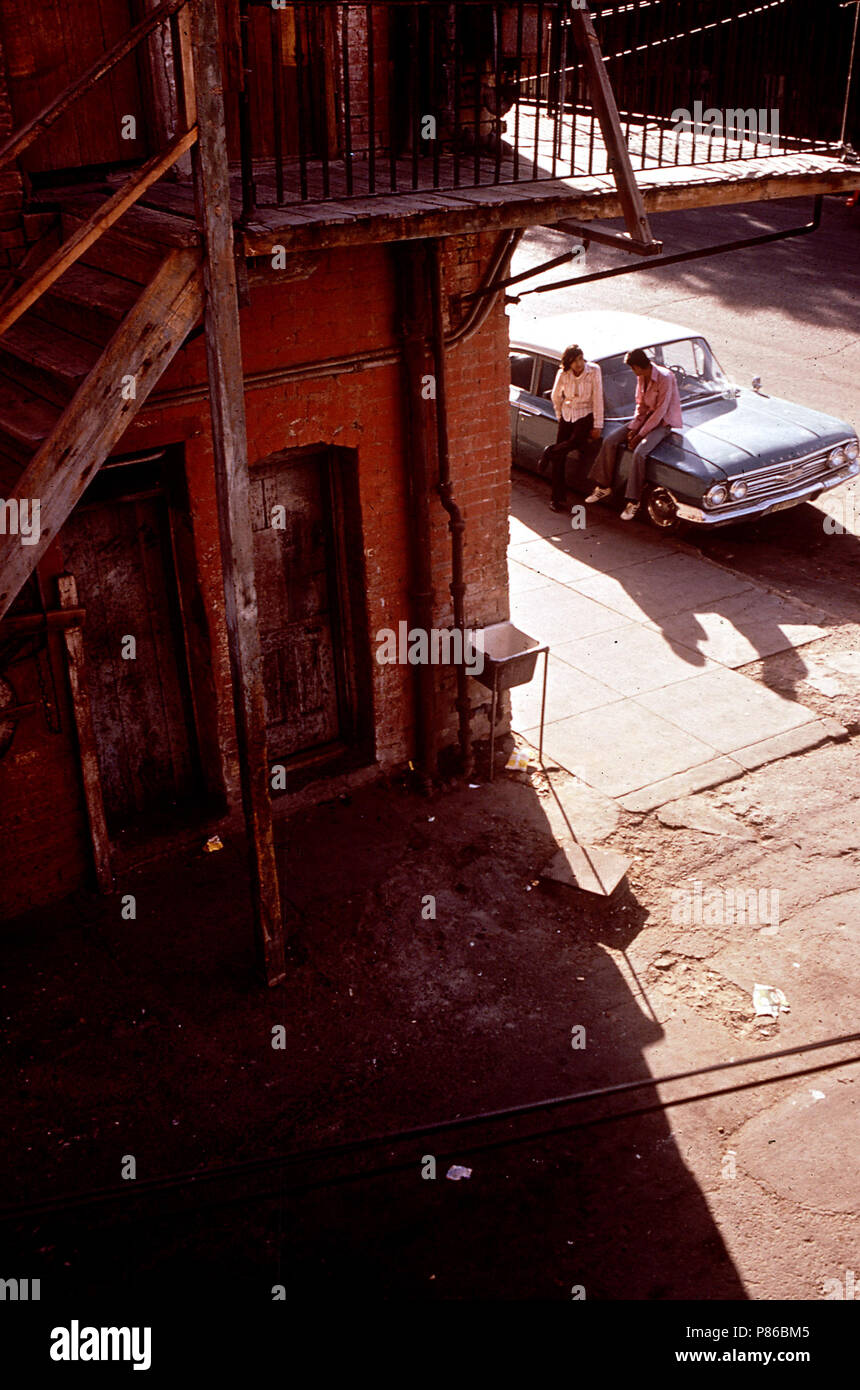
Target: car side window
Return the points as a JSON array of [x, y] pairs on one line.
[[546, 377], [521, 370], [619, 388]]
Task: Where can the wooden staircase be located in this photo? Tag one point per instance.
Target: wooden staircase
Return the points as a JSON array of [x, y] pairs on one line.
[[79, 363]]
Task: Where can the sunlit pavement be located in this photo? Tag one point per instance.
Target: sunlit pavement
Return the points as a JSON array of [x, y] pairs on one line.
[[644, 699]]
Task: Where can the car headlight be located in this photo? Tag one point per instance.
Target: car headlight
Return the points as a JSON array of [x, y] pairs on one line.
[[738, 490], [852, 450], [716, 495], [837, 457]]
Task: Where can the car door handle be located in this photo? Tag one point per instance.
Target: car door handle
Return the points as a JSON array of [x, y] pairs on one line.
[[527, 410]]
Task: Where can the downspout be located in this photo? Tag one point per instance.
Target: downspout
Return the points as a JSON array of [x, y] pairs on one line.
[[456, 523], [410, 260]]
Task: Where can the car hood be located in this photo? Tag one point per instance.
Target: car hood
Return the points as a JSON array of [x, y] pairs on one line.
[[750, 431]]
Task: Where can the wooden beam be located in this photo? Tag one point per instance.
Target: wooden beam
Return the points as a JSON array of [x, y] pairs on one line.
[[105, 216], [158, 73], [357, 223], [45, 118], [230, 448], [188, 94], [606, 111], [73, 638], [99, 413], [38, 622]]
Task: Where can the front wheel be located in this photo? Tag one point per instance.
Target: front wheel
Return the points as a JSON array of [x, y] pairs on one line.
[[661, 511]]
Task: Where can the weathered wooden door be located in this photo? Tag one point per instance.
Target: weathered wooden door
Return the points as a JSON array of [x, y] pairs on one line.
[[120, 554], [297, 595]]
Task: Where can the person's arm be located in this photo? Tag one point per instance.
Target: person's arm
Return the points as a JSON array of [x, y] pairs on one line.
[[633, 427], [597, 398], [557, 395]]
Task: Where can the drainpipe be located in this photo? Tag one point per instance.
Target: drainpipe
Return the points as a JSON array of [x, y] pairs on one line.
[[410, 259], [456, 523]]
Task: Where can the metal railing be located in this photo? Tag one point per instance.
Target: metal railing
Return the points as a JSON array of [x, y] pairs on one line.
[[342, 99], [757, 77]]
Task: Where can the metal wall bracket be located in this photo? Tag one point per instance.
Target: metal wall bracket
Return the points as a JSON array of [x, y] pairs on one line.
[[679, 257]]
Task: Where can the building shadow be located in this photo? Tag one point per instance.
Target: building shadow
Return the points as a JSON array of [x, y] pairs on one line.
[[157, 1042], [756, 550]]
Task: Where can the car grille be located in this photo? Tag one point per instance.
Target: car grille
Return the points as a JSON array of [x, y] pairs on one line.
[[779, 477]]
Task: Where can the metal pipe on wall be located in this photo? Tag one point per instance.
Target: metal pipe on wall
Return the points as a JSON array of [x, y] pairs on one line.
[[410, 261], [456, 522]]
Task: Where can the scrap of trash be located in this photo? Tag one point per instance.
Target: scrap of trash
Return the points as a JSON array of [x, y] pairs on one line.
[[769, 1002], [455, 1172]]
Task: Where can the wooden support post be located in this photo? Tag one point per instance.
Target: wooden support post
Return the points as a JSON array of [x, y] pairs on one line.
[[227, 406], [73, 637], [187, 94]]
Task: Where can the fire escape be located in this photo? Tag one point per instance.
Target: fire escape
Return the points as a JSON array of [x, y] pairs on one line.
[[104, 301]]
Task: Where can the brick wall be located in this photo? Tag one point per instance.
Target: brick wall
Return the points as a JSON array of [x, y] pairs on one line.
[[347, 304]]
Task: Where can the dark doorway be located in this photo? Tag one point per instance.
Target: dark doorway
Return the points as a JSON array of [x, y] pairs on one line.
[[308, 557], [119, 546]]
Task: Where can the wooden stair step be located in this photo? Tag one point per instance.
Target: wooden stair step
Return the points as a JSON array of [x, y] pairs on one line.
[[145, 224], [11, 469], [117, 254], [88, 302], [87, 285], [51, 360], [25, 419]]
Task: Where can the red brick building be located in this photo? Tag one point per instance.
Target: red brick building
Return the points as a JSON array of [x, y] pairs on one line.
[[220, 544], [333, 448]]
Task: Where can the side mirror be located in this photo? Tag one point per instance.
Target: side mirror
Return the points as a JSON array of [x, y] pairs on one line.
[[756, 383]]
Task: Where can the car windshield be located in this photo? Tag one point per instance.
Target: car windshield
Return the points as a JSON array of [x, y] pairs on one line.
[[697, 372]]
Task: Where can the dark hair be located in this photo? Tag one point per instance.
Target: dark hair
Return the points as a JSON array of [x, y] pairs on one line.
[[637, 357], [569, 356]]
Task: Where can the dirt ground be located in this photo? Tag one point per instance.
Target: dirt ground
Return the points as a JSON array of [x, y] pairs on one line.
[[150, 1038]]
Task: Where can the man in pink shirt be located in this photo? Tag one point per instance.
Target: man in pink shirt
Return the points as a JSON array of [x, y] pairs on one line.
[[658, 412]]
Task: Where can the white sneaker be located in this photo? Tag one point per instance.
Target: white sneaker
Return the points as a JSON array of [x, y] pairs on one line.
[[630, 511], [598, 494]]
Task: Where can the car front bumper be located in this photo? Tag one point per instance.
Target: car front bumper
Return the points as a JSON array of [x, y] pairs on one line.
[[792, 497]]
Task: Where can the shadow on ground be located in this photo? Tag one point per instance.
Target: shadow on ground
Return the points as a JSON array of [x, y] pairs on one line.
[[151, 1038]]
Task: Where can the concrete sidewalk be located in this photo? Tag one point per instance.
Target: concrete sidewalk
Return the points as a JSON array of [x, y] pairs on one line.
[[644, 699]]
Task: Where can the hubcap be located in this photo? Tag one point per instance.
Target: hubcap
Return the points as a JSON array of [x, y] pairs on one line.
[[661, 508]]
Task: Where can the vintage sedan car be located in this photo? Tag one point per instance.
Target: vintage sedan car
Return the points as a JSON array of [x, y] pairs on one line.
[[740, 452]]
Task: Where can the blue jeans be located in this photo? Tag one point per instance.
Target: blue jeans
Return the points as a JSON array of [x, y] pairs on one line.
[[603, 472]]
